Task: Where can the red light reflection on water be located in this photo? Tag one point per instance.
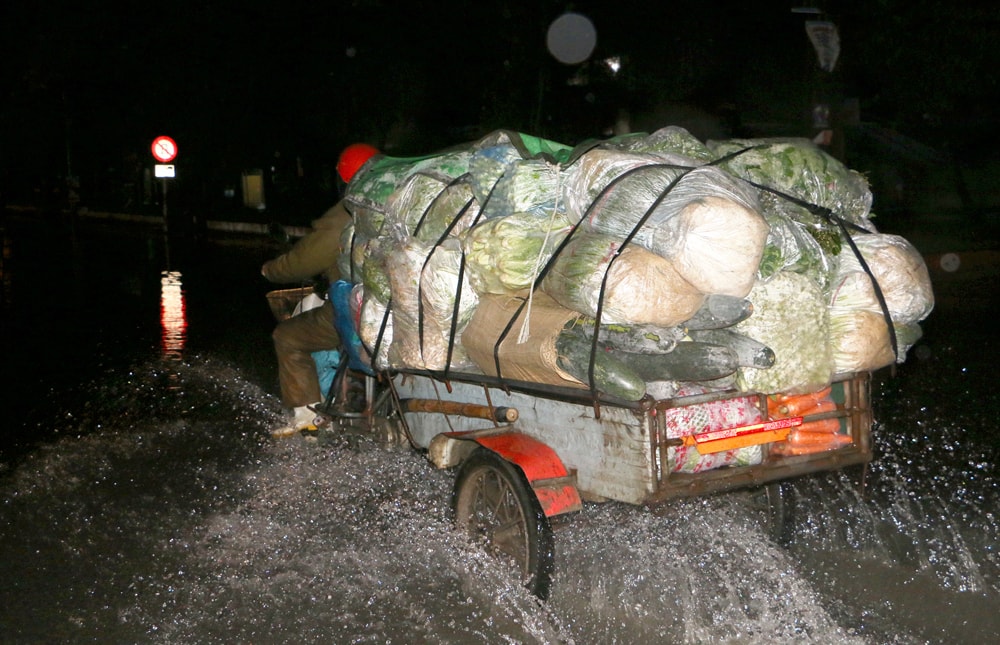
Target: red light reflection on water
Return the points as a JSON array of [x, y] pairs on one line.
[[172, 315]]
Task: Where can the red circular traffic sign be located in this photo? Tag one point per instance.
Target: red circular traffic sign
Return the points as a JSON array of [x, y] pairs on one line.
[[164, 149]]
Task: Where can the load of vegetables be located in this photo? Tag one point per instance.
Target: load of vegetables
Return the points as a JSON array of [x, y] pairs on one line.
[[624, 265]]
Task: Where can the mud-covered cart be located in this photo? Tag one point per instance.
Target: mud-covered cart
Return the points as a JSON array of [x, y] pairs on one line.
[[525, 453]]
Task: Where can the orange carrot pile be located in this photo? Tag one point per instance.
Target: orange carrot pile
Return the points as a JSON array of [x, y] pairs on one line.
[[812, 436]]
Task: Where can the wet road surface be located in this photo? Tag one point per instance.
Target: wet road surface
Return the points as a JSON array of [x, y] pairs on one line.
[[142, 500]]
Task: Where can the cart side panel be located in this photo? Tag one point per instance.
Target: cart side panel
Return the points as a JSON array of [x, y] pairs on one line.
[[852, 393], [612, 457]]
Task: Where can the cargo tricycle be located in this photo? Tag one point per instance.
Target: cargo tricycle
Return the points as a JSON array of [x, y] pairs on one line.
[[525, 453]]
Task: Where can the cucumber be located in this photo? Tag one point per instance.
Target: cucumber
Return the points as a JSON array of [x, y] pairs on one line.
[[639, 339], [611, 375], [718, 312], [749, 352], [690, 361]]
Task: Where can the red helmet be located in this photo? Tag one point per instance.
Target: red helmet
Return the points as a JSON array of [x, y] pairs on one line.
[[352, 158]]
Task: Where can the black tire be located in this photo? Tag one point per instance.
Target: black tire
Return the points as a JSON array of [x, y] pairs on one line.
[[775, 506], [494, 503]]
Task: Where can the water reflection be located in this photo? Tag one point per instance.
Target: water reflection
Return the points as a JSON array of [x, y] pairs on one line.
[[173, 320]]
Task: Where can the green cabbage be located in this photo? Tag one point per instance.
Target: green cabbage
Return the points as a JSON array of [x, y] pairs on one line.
[[504, 254]]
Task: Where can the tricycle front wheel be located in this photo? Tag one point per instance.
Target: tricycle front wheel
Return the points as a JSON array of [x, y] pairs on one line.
[[494, 503]]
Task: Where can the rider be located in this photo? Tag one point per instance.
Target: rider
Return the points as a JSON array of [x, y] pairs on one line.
[[296, 338]]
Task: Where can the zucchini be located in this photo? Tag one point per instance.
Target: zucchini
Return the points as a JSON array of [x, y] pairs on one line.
[[749, 352], [719, 311], [611, 376], [690, 361]]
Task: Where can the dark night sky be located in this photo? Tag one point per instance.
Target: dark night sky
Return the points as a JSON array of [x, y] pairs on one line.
[[234, 81]]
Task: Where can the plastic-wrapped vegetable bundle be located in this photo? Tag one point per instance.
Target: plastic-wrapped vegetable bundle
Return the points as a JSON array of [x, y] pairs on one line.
[[526, 186], [790, 247], [716, 244], [374, 273], [375, 319], [534, 360], [368, 193], [424, 281], [799, 168], [426, 205], [860, 340], [703, 220], [504, 254], [672, 140], [439, 288], [487, 165], [859, 334], [641, 287], [790, 317], [901, 274], [410, 348], [597, 168]]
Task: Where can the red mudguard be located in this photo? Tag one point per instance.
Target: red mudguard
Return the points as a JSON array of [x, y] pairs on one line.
[[541, 466]]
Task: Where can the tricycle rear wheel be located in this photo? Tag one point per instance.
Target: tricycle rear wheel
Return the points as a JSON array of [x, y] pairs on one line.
[[773, 502], [494, 503]]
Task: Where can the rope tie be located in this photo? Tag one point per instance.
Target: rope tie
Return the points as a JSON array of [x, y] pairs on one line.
[[525, 331]]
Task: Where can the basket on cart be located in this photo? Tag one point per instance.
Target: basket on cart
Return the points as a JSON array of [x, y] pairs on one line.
[[283, 302]]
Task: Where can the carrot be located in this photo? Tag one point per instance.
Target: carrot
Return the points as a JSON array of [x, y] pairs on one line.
[[793, 405], [793, 409], [823, 425], [796, 406], [790, 449], [782, 397], [801, 437]]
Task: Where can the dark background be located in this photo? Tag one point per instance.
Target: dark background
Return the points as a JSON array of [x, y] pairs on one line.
[[282, 87]]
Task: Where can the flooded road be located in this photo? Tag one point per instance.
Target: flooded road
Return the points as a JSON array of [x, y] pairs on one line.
[[141, 499]]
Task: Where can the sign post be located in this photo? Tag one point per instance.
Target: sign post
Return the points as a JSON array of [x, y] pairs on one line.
[[164, 151]]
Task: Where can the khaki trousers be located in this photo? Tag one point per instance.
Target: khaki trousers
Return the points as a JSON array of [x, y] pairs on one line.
[[295, 340]]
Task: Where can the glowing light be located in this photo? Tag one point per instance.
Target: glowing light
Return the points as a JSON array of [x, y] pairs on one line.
[[172, 315], [614, 64], [571, 38], [950, 262]]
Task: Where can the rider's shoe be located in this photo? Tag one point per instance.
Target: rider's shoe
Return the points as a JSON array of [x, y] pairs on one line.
[[303, 419]]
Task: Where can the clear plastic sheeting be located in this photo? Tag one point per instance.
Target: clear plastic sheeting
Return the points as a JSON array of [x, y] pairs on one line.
[[424, 281], [800, 169], [703, 219], [671, 140], [428, 206], [791, 247], [900, 272]]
